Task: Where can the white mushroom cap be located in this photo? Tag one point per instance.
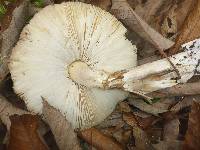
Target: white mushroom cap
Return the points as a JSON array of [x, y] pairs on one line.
[[56, 37]]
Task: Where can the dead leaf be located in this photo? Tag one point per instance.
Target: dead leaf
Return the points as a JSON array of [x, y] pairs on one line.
[[141, 139], [144, 123], [171, 130], [122, 136], [159, 107], [123, 11], [11, 26], [124, 107], [169, 25], [190, 29], [172, 145], [61, 128], [185, 102], [192, 137], [147, 9], [112, 120], [99, 140], [182, 10], [104, 4], [129, 118], [178, 90], [24, 135], [7, 110]]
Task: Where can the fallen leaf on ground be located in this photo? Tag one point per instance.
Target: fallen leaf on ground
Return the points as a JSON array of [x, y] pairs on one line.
[[129, 118], [192, 137], [185, 102], [178, 90], [123, 136], [172, 145], [123, 11], [99, 140], [156, 108], [112, 120], [147, 10], [144, 123], [7, 110], [104, 4], [124, 107], [141, 139], [171, 130], [11, 26], [190, 29], [64, 134], [24, 135]]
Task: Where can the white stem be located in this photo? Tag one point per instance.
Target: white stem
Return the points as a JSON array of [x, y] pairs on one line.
[[82, 74], [145, 78], [158, 74]]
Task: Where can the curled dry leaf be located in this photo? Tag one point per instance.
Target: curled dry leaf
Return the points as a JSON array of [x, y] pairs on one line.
[[178, 90], [124, 107], [104, 4], [129, 118], [171, 130], [99, 140], [190, 29], [112, 120], [7, 110], [192, 137], [172, 145], [185, 102], [123, 11], [123, 136], [24, 135], [61, 128], [144, 123], [156, 108], [11, 26], [141, 140]]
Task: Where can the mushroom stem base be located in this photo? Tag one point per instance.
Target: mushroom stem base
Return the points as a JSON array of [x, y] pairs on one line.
[[83, 74]]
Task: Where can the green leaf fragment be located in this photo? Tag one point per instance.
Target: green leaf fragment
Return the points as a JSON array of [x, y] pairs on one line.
[[2, 10]]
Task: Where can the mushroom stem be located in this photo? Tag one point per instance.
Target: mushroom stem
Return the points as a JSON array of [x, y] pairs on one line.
[[83, 74], [146, 78], [158, 74]]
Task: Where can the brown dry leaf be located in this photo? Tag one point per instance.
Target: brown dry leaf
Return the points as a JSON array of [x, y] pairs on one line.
[[24, 135], [185, 102], [190, 29], [147, 9], [112, 120], [159, 107], [123, 136], [144, 123], [104, 4], [171, 130], [99, 140], [172, 145], [11, 25], [141, 140], [122, 10], [129, 118], [182, 10], [124, 107], [7, 110], [178, 90], [192, 137], [64, 134]]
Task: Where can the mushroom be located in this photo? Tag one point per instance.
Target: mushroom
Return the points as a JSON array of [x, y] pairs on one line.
[[56, 40], [77, 58]]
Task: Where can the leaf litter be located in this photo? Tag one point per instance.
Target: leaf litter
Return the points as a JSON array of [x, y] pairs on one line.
[[134, 124]]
